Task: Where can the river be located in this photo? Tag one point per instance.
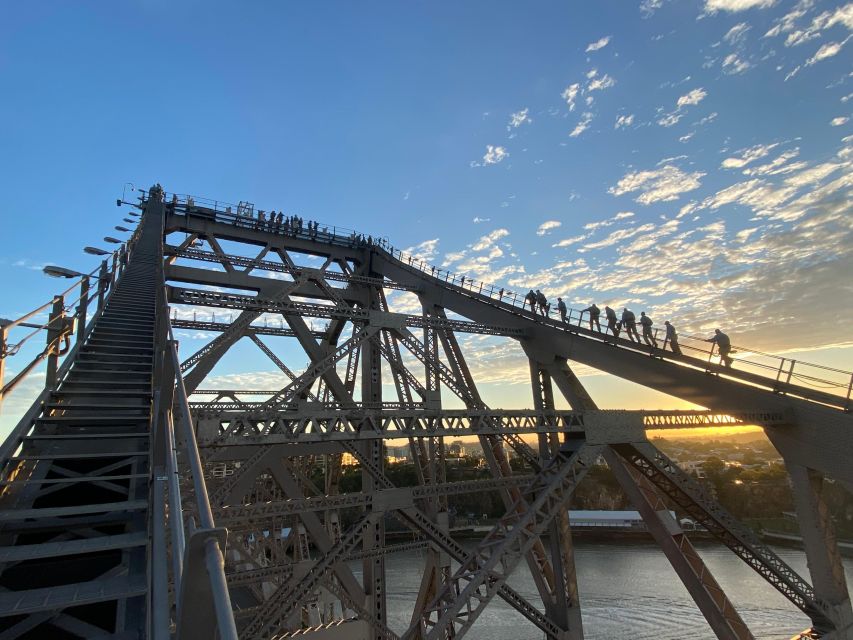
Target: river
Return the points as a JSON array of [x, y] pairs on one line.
[[627, 591]]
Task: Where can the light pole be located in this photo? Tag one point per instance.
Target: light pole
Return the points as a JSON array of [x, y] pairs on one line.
[[95, 251], [123, 190]]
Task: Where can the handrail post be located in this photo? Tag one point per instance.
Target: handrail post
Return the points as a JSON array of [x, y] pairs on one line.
[[113, 273], [847, 404], [790, 372], [102, 284], [779, 372], [3, 332], [54, 331], [82, 308]]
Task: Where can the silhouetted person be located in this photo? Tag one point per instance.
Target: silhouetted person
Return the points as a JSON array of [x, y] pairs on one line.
[[671, 338], [594, 312], [724, 345], [542, 301], [561, 307], [648, 336], [612, 323], [629, 322], [530, 299]]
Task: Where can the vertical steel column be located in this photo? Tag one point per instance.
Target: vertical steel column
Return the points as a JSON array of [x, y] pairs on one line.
[[82, 307], [103, 279], [818, 535], [564, 608], [374, 532], [3, 334], [54, 331]]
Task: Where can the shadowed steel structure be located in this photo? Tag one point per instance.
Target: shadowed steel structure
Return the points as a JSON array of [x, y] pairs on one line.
[[137, 504]]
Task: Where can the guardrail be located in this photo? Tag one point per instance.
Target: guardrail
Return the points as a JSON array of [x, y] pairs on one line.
[[775, 371], [60, 327], [200, 595]]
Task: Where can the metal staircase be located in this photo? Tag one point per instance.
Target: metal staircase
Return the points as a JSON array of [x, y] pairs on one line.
[[75, 495]]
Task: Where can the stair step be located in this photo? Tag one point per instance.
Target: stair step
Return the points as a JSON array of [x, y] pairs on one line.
[[95, 384], [109, 371], [76, 480], [101, 392], [139, 366], [88, 436], [102, 406], [80, 456], [13, 603], [72, 547], [12, 515]]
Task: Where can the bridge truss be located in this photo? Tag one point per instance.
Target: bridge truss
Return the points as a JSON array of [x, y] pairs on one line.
[[257, 474]]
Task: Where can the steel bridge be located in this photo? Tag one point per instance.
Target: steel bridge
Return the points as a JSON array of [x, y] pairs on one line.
[[136, 504]]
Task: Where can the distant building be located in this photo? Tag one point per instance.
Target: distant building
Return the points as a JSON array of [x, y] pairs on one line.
[[456, 449], [628, 520]]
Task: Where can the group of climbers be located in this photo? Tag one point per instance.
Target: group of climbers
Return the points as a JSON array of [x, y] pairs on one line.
[[628, 323]]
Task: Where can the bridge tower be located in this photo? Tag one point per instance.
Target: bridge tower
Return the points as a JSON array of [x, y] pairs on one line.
[[140, 502]]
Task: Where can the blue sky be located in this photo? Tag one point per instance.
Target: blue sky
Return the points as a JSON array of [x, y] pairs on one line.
[[688, 157]]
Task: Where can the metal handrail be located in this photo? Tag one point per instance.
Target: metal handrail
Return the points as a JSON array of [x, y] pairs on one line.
[[59, 325], [192, 572]]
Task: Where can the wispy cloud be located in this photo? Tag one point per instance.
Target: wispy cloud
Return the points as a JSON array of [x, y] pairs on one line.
[[581, 126], [601, 83], [733, 6], [519, 118], [659, 185], [623, 122], [598, 44], [570, 95], [494, 154], [691, 98], [748, 155], [548, 226], [837, 122]]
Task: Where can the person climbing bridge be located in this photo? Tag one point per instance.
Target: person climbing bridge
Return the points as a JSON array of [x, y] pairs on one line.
[[594, 312], [612, 322], [542, 301], [530, 299], [671, 338], [648, 336], [629, 322], [561, 307], [724, 345]]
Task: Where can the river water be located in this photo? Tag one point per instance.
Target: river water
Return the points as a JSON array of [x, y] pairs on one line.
[[627, 591]]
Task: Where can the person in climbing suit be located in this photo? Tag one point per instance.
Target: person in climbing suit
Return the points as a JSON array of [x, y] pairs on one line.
[[629, 322], [612, 323], [724, 345], [671, 338], [530, 298], [648, 336], [594, 312]]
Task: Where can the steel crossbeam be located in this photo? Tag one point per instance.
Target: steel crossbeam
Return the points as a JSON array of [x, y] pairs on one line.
[[201, 297], [245, 517], [267, 265], [258, 330]]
